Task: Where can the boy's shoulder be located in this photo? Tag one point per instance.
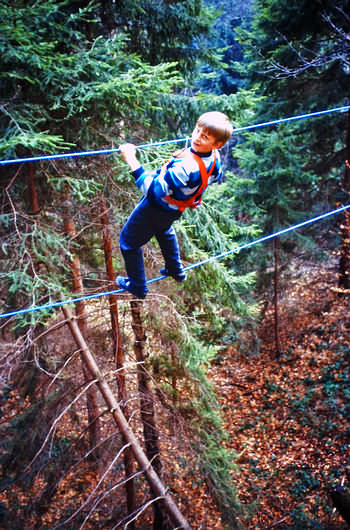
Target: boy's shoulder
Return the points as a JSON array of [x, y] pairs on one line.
[[183, 161], [188, 159]]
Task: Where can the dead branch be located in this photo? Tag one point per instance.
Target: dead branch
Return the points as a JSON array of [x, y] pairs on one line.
[[88, 499], [155, 483]]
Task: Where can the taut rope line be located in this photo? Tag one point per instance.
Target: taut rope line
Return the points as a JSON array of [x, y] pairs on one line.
[[179, 140], [189, 267]]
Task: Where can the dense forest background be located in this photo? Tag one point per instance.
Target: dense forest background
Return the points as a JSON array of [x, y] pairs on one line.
[[221, 403]]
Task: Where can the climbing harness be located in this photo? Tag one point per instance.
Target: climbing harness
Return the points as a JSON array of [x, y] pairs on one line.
[[195, 200]]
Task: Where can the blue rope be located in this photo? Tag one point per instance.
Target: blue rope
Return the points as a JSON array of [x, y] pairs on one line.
[[292, 118], [116, 150], [85, 153], [189, 267]]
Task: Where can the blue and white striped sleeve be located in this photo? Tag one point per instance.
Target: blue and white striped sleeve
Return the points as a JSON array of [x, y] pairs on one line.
[[143, 179]]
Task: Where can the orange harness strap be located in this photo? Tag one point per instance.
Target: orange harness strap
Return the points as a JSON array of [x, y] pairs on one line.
[[196, 199]]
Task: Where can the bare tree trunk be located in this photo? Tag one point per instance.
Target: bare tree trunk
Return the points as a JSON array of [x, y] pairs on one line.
[[174, 373], [150, 431], [91, 396], [32, 189], [344, 260], [119, 360], [275, 298], [155, 482]]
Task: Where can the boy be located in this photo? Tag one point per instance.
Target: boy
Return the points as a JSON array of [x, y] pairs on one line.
[[179, 184]]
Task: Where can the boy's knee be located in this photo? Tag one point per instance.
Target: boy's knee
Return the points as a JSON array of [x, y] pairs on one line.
[[128, 246], [124, 247], [126, 242]]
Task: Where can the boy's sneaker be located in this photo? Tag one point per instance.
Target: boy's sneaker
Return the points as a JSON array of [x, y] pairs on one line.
[[179, 276], [126, 284]]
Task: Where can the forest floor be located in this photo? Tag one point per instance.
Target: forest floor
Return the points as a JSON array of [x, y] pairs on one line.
[[288, 416]]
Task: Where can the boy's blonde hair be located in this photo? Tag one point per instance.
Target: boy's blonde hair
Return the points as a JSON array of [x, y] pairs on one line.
[[217, 124]]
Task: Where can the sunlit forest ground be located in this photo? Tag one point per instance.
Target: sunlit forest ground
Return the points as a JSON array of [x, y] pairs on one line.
[[288, 417]]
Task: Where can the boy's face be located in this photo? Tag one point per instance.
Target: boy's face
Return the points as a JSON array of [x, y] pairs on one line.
[[203, 141]]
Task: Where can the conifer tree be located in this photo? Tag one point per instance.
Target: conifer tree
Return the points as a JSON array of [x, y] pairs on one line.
[[61, 89], [296, 56], [169, 31]]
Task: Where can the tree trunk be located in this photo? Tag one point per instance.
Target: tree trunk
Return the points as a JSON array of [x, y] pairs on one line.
[[32, 189], [119, 359], [174, 373], [150, 431], [275, 298], [91, 396], [155, 483], [344, 260]]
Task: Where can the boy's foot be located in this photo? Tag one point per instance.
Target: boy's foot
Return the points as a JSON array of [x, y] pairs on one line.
[[179, 276], [126, 284]]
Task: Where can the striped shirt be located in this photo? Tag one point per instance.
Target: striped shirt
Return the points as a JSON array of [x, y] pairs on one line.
[[180, 178]]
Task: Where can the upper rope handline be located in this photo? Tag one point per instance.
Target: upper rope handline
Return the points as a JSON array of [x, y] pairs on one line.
[[189, 267], [178, 140]]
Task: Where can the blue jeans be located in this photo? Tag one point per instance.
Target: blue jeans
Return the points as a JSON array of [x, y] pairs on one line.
[[145, 222]]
